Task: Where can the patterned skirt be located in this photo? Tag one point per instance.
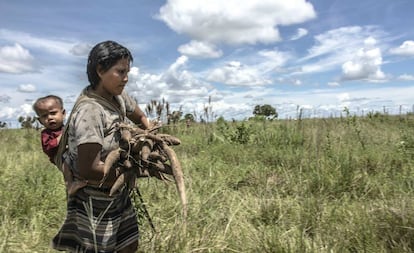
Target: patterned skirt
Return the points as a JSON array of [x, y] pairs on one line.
[[96, 222]]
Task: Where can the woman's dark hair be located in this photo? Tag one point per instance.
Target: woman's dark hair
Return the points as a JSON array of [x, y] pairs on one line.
[[105, 54]]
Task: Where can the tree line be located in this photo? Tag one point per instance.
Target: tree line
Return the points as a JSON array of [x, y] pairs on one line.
[[162, 112]]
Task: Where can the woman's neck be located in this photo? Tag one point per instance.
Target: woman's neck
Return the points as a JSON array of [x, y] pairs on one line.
[[103, 93]]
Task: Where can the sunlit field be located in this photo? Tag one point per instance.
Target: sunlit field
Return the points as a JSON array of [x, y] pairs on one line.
[[308, 185]]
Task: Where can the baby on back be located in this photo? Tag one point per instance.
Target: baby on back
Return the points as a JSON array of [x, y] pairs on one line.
[[51, 114]]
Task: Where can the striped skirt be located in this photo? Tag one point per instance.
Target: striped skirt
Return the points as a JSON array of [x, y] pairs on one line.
[[96, 222]]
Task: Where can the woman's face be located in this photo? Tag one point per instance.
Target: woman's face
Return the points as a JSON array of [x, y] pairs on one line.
[[113, 80]]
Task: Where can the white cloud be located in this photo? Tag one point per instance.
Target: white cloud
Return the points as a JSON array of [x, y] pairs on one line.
[[200, 49], [258, 71], [406, 49], [289, 80], [51, 45], [343, 97], [299, 34], [236, 74], [365, 66], [15, 59], [406, 77], [8, 113], [353, 47], [297, 82], [370, 42], [176, 84], [27, 88], [340, 40], [134, 72], [26, 109], [334, 84], [234, 21], [81, 49], [273, 60], [343, 41], [335, 47]]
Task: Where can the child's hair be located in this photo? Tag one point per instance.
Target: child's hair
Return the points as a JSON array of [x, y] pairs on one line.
[[105, 54], [58, 100]]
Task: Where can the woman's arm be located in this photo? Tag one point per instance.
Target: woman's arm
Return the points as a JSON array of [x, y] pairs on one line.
[[138, 117], [90, 165]]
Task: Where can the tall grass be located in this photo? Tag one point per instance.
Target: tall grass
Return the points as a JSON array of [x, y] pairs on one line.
[[314, 185]]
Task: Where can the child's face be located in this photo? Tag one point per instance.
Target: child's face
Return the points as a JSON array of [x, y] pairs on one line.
[[50, 114]]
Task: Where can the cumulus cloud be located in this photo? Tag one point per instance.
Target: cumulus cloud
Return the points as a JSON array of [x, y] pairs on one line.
[[200, 49], [232, 21], [176, 84], [366, 64], [15, 59], [406, 49], [27, 88], [8, 113], [236, 74], [257, 69], [301, 32], [26, 109]]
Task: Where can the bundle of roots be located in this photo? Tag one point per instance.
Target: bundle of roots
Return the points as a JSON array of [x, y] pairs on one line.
[[145, 153]]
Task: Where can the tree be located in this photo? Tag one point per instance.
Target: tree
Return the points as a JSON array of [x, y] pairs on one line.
[[265, 110], [175, 116], [27, 122], [189, 117]]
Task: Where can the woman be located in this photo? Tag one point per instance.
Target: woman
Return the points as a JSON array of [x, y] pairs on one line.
[[96, 222]]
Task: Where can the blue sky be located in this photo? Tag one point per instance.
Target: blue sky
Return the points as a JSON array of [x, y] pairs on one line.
[[319, 55]]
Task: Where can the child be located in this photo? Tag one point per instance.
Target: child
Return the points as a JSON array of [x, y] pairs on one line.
[[51, 115]]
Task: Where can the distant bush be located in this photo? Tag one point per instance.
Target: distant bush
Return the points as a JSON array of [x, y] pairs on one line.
[[237, 132]]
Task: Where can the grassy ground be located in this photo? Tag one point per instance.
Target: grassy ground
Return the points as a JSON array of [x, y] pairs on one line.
[[316, 185]]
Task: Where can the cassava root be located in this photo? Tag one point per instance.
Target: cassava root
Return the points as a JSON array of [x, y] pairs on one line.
[[145, 153]]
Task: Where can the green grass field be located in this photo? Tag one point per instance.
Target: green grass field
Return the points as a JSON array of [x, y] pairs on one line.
[[314, 185]]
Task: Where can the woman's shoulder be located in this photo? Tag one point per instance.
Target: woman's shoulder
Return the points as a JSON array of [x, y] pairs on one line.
[[88, 105]]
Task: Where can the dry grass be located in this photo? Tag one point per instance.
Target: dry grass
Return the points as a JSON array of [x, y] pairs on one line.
[[328, 185]]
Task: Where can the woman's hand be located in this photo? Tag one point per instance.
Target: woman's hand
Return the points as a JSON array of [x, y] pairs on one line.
[[138, 117]]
